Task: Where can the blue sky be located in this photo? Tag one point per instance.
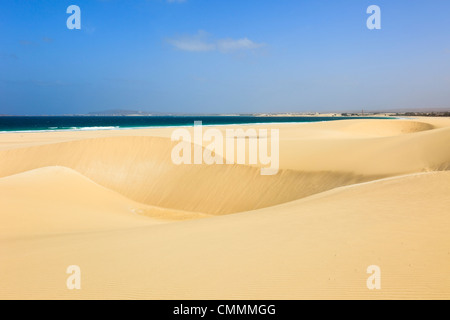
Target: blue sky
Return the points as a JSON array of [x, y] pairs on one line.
[[217, 56]]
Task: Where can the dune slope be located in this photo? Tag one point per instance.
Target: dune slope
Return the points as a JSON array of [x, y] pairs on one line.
[[318, 247], [141, 168], [57, 200]]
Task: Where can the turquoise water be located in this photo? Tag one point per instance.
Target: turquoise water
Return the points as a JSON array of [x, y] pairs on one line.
[[14, 124]]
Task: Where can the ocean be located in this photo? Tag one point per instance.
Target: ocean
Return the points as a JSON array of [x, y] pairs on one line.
[[80, 123]]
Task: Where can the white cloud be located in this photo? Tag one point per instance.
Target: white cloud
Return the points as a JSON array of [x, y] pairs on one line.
[[226, 45], [201, 42], [196, 43]]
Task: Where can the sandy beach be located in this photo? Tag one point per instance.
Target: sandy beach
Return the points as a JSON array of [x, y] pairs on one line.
[[349, 194]]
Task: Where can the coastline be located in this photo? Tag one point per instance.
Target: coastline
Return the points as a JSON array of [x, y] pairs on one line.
[[211, 122]]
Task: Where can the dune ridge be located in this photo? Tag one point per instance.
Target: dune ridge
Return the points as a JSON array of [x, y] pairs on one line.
[[141, 169]]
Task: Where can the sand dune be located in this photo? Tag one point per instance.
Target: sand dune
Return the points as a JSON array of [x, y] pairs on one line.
[[350, 194], [317, 247], [58, 200], [141, 168], [389, 128], [55, 200], [390, 156]]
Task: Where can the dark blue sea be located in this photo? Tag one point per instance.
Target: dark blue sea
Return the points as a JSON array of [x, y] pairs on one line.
[[74, 123]]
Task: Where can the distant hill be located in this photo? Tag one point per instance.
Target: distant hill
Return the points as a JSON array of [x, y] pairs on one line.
[[119, 112]]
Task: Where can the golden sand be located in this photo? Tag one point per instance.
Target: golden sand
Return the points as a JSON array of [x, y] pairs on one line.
[[349, 194]]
